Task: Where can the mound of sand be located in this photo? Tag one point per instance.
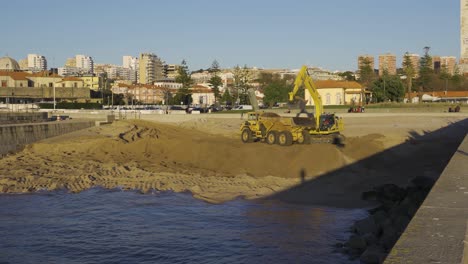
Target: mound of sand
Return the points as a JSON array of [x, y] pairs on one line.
[[202, 156]]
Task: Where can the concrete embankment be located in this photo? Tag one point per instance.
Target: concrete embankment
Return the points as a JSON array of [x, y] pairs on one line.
[[14, 137], [22, 117], [438, 232]]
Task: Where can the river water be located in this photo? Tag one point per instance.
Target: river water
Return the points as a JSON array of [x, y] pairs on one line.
[[114, 226]]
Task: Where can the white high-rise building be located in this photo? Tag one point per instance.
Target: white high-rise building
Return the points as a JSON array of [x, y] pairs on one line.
[[130, 68], [37, 62], [85, 63], [130, 62], [464, 35]]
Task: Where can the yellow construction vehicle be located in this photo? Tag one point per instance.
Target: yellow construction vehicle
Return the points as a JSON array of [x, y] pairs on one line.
[[272, 128], [327, 127]]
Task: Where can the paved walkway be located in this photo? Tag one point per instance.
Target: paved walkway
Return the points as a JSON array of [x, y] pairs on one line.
[[438, 232]]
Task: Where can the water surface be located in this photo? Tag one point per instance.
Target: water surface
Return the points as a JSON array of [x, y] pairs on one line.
[[112, 226]]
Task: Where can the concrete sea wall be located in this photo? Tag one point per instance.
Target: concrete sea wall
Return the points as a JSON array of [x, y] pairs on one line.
[[18, 117], [14, 137]]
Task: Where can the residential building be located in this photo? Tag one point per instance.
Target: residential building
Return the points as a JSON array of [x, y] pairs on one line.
[[387, 62], [130, 68], [337, 92], [85, 63], [436, 64], [37, 62], [448, 63], [91, 82], [172, 70], [70, 62], [362, 58], [414, 58], [68, 71], [151, 68]]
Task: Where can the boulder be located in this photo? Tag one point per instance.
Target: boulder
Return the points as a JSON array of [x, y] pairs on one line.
[[389, 237], [356, 243], [365, 226], [370, 239]]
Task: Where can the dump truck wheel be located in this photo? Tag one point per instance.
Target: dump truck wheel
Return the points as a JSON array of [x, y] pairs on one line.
[[338, 140], [271, 137], [246, 135], [285, 138], [303, 137]]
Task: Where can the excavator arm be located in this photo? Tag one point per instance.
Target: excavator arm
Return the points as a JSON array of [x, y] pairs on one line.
[[303, 80]]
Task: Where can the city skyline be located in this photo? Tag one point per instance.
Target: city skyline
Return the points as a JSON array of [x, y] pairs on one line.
[[265, 34]]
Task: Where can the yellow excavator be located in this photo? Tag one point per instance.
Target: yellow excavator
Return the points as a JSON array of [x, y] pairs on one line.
[[327, 126], [274, 129]]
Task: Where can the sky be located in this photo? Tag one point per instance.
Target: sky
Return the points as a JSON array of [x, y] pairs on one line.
[[330, 34]]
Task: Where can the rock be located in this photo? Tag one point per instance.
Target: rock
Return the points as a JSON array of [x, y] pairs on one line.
[[373, 255], [391, 192], [365, 226], [370, 239], [389, 237], [380, 217], [356, 243]]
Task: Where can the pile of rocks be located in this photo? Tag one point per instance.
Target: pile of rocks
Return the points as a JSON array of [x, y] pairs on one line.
[[374, 236]]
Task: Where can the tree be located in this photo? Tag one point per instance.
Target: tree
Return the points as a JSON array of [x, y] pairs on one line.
[[366, 76], [388, 87], [242, 77], [409, 72], [276, 91], [426, 72], [183, 95], [445, 76], [348, 75], [227, 98], [215, 81]]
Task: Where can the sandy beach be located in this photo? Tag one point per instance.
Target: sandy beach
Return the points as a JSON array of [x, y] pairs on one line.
[[205, 156]]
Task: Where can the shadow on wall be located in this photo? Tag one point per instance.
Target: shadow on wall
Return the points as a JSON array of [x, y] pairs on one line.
[[425, 154]]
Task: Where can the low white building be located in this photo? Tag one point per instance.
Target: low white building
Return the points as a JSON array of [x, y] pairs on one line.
[[336, 92], [202, 95]]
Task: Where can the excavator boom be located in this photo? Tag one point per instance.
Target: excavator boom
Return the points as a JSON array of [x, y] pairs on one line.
[[326, 123]]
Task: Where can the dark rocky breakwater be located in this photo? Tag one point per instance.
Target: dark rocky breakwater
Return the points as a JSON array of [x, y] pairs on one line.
[[373, 237]]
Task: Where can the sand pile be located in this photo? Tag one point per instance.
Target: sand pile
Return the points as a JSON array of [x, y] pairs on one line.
[[144, 155]]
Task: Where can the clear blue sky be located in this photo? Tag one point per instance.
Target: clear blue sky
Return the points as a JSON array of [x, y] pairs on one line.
[[263, 33]]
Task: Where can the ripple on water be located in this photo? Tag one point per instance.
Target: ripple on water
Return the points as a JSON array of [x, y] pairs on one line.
[[112, 226]]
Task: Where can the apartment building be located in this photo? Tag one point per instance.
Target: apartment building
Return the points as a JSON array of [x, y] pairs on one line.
[[85, 63], [151, 68], [36, 62], [448, 63], [130, 69], [387, 62]]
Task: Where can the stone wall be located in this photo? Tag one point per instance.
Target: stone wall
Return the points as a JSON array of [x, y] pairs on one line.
[[14, 137], [45, 92]]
